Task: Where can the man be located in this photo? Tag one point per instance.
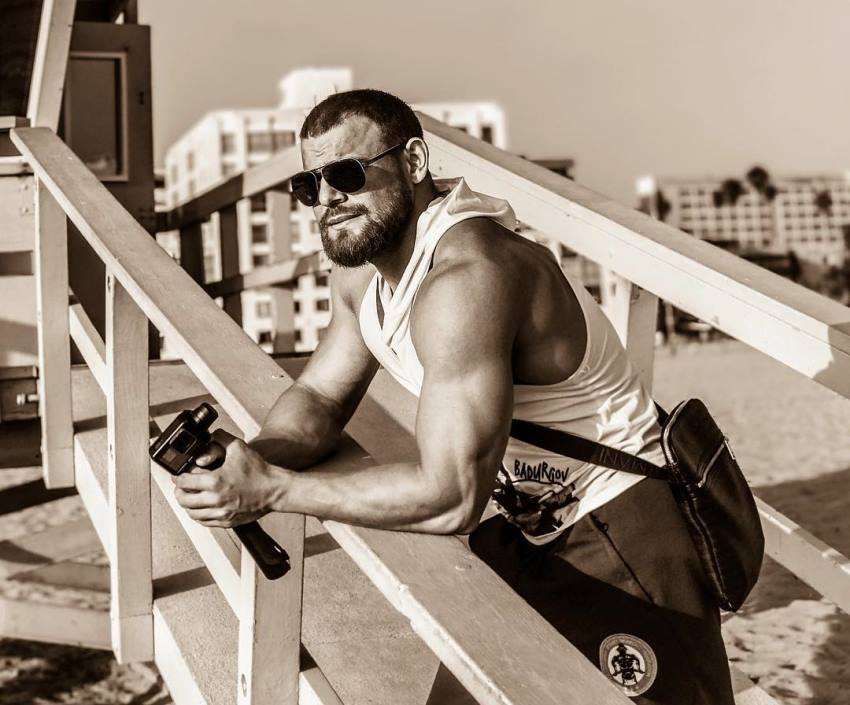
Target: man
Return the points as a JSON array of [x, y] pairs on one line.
[[483, 327]]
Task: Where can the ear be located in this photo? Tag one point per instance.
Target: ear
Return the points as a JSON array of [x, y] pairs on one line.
[[417, 159]]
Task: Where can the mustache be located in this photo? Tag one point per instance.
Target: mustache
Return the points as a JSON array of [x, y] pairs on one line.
[[328, 215]]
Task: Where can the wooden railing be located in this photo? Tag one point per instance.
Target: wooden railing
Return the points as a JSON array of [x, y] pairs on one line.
[[476, 634], [641, 260]]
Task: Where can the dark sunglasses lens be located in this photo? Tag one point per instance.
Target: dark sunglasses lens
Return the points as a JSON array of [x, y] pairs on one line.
[[305, 188], [346, 175]]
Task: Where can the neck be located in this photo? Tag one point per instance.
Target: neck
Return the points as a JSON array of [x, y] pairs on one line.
[[392, 264]]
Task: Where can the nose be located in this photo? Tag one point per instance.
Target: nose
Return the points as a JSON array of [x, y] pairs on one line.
[[328, 195]]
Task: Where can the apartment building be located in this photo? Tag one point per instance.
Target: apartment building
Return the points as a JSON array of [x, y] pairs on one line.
[[225, 142]]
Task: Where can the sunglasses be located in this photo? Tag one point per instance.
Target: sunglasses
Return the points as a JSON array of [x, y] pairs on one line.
[[345, 175]]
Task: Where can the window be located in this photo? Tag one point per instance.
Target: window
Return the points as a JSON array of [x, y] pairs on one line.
[[263, 309], [296, 306], [298, 336], [258, 233], [258, 203], [487, 134], [228, 168], [259, 260], [323, 305], [228, 144], [190, 161], [264, 337], [281, 139], [259, 142], [321, 279]]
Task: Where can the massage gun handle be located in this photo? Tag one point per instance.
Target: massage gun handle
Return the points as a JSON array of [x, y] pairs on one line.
[[271, 559], [269, 556]]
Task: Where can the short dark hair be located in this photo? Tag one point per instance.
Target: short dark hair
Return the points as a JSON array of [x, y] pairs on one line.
[[392, 115]]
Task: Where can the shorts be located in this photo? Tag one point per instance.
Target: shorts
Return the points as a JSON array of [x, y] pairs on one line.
[[625, 586]]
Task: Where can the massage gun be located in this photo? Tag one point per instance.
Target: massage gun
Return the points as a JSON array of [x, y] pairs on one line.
[[176, 448]]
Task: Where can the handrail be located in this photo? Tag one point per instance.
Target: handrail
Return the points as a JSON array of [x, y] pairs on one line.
[[803, 329], [463, 632], [786, 321]]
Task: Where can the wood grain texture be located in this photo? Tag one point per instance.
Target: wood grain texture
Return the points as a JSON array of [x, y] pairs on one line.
[[270, 621], [128, 467], [54, 345]]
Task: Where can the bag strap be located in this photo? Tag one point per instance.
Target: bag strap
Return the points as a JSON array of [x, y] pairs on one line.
[[586, 450]]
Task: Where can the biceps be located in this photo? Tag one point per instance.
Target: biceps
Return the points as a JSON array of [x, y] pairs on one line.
[[341, 367], [462, 426]]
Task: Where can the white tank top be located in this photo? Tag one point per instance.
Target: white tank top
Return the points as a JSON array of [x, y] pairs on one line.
[[603, 400]]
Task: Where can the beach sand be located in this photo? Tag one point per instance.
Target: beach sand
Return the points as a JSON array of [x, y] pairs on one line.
[[790, 436]]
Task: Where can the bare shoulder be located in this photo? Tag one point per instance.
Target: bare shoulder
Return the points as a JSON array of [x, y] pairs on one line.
[[470, 294]]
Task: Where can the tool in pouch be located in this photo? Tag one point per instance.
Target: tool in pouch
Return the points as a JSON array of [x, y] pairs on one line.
[[707, 484]]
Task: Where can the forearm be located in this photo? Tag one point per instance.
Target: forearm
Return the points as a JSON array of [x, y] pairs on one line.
[[299, 431], [400, 496]]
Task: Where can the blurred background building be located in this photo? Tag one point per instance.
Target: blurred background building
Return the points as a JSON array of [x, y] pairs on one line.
[[225, 142]]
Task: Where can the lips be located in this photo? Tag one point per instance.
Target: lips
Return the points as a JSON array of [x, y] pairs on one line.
[[341, 219]]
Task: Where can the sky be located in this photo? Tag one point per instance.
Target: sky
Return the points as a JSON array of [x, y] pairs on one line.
[[676, 88]]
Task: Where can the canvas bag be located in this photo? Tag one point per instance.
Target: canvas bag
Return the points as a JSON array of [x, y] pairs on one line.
[[707, 483]]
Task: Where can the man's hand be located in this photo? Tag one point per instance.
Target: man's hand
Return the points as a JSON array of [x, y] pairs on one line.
[[243, 489]]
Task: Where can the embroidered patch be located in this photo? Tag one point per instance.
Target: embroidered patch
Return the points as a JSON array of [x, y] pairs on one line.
[[629, 663]]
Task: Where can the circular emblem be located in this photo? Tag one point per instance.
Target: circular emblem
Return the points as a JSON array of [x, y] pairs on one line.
[[629, 663]]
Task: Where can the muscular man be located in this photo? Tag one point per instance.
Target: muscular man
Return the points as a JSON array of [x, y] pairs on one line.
[[432, 284]]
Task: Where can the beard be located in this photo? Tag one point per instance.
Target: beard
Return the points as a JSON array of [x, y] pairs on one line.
[[380, 230]]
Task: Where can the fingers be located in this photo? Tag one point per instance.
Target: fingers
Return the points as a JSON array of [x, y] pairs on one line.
[[198, 480], [195, 500]]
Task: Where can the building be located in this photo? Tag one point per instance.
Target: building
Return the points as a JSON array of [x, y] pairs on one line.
[[806, 215], [225, 142]]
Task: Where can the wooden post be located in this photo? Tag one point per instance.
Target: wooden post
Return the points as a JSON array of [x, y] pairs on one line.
[[129, 477], [228, 238], [278, 206], [54, 346], [192, 251], [50, 63], [270, 621], [634, 313]]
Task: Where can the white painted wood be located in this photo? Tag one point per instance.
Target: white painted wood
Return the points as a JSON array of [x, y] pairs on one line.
[[57, 624], [50, 63], [128, 475], [68, 574], [89, 343], [56, 543], [805, 555], [798, 327], [93, 497], [237, 373], [215, 546], [54, 347], [181, 680], [314, 689], [270, 620]]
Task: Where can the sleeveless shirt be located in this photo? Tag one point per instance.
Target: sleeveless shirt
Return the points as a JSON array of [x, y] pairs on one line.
[[603, 399]]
